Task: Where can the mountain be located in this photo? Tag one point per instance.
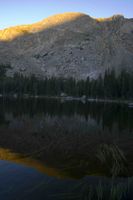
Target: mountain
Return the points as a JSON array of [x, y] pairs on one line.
[[68, 45]]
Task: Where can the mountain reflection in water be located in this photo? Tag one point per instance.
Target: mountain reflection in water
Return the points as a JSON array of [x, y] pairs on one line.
[[68, 140]]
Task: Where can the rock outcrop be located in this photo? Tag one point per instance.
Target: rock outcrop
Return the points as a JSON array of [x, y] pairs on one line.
[[68, 45]]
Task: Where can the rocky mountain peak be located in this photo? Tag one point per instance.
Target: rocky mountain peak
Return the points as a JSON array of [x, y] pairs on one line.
[[68, 44]]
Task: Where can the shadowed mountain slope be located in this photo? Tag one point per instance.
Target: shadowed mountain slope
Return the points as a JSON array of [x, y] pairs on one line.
[[68, 45]]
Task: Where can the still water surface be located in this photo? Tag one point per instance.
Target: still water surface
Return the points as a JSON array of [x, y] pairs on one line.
[[50, 149]]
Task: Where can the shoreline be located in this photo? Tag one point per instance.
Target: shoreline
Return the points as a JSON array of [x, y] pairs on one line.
[[83, 99]]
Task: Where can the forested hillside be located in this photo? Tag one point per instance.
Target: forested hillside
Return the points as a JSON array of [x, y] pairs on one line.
[[109, 86]]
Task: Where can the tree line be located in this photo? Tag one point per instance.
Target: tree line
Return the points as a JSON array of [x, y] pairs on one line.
[[109, 86]]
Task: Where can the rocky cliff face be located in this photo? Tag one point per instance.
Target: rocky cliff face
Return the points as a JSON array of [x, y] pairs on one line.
[[68, 45]]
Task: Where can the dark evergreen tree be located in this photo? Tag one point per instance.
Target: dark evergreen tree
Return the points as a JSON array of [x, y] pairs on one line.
[[109, 85]]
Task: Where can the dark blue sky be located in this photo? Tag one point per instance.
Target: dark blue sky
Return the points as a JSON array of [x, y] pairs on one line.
[[14, 12]]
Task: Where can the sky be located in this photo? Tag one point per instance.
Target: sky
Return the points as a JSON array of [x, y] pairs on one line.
[[17, 12]]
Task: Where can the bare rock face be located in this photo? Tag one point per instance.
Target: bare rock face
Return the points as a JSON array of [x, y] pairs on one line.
[[68, 45]]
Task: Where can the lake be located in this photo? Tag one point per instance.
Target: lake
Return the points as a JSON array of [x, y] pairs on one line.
[[53, 149]]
